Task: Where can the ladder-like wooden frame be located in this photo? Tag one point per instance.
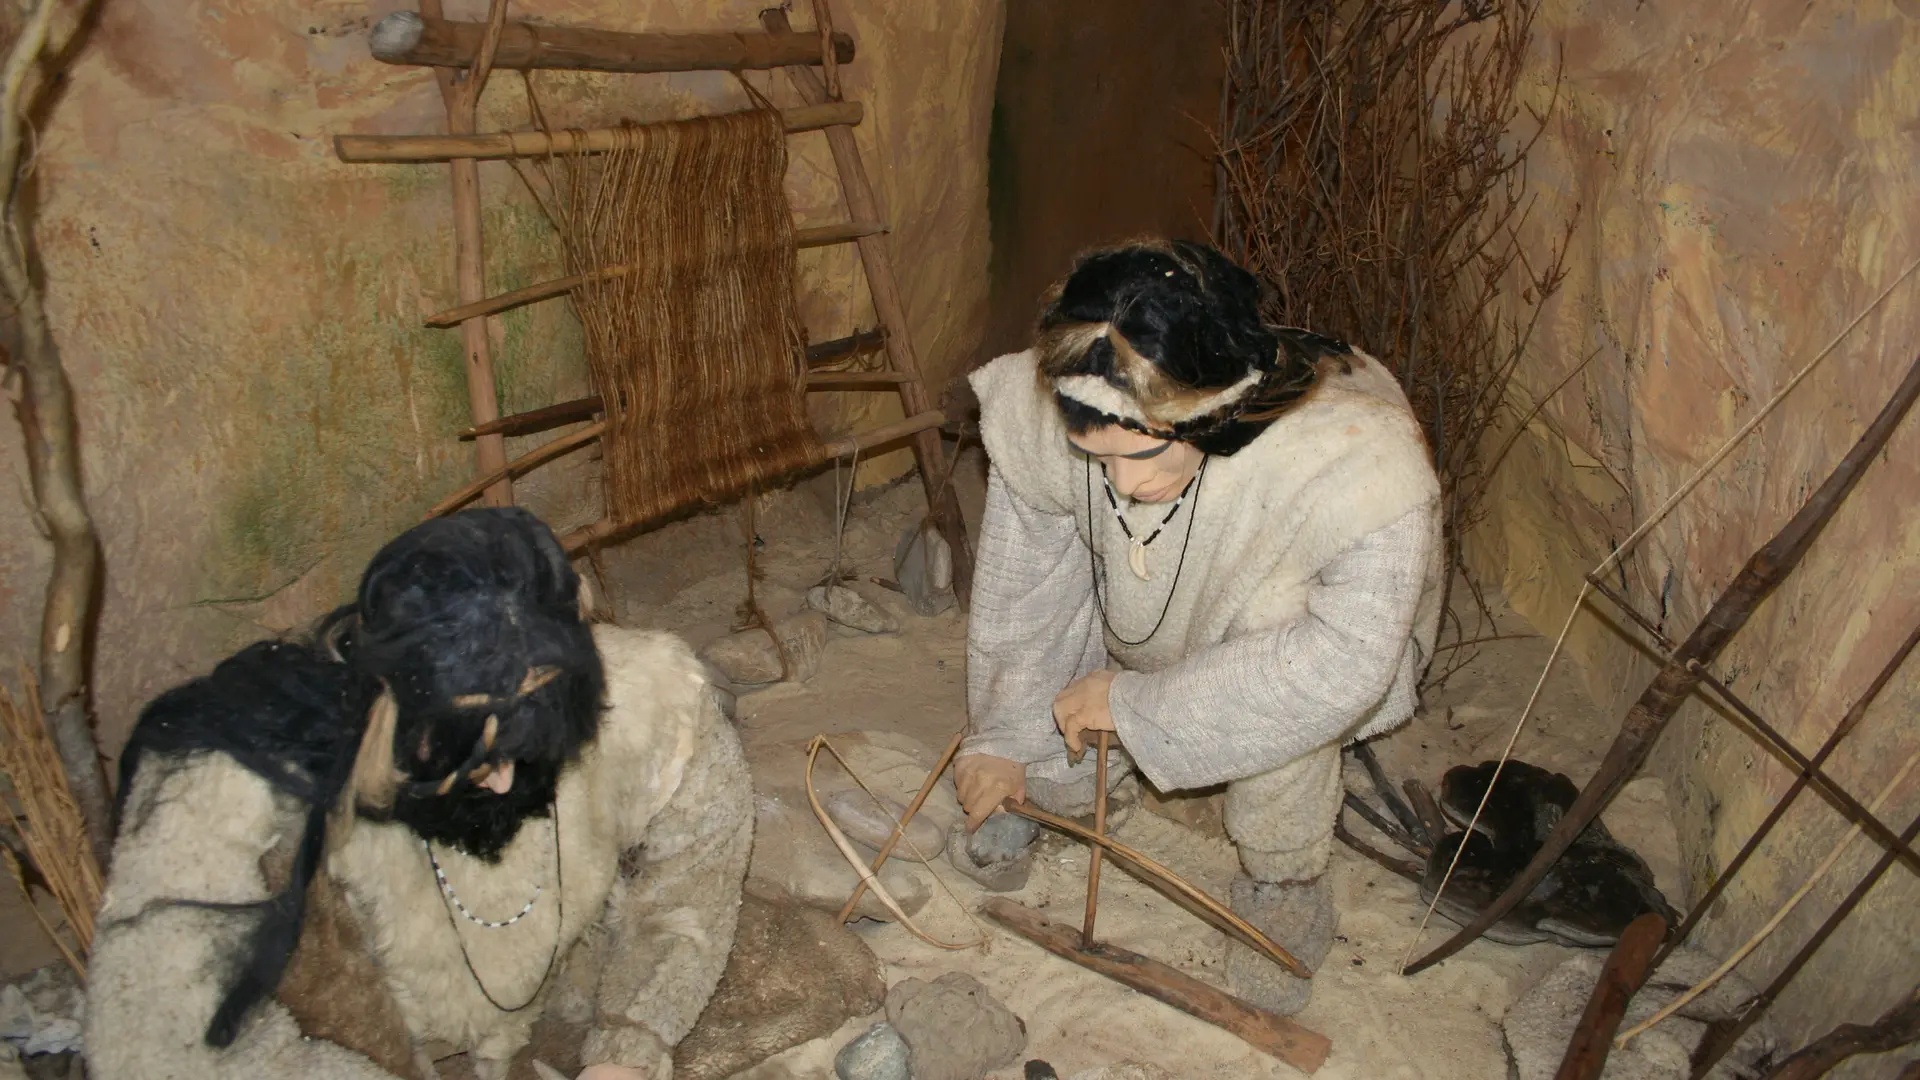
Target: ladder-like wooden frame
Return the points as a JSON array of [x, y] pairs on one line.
[[463, 54]]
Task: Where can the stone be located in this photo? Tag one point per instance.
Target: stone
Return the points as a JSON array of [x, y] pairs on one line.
[[880, 1054], [748, 658], [791, 851], [44, 1013], [923, 568], [870, 825], [953, 1027], [793, 976], [999, 856], [850, 609], [1541, 1020], [1301, 919]]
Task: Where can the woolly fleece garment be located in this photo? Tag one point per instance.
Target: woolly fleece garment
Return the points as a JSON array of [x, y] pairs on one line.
[[1307, 601], [655, 825]]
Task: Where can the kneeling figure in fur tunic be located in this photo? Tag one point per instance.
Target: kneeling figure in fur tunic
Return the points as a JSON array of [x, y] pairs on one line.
[[469, 810], [1216, 538]]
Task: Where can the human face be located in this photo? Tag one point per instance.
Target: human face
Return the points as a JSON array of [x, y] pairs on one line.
[[1141, 467]]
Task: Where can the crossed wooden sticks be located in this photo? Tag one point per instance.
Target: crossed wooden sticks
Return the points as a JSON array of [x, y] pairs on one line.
[[1276, 1035]]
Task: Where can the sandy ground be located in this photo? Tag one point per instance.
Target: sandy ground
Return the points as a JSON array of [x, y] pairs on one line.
[[690, 578], [1441, 1024]]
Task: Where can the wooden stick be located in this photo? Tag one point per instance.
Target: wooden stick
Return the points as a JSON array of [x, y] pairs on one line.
[[1721, 1035], [1677, 678], [1218, 913], [1896, 1028], [467, 146], [462, 102], [1810, 771], [1626, 969], [406, 38], [810, 237], [900, 829], [857, 344], [535, 421], [1271, 1034], [847, 446], [848, 380], [1099, 829], [538, 420], [887, 305], [519, 466]]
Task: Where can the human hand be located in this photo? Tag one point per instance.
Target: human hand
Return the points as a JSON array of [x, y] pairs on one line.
[[983, 782], [1082, 707]]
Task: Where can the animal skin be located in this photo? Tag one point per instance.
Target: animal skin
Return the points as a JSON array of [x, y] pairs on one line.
[[1586, 900]]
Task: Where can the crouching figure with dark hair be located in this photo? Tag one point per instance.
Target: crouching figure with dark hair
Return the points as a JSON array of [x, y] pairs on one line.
[[1217, 539], [461, 818]]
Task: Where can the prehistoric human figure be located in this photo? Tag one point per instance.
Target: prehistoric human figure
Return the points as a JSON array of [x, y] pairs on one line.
[[1215, 538], [470, 810]]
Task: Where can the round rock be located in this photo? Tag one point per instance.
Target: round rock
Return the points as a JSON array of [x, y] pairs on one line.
[[880, 1054]]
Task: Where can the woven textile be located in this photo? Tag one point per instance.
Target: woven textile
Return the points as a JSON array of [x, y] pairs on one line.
[[687, 241]]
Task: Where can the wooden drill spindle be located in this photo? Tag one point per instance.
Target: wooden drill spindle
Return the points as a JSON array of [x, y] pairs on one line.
[[1099, 829]]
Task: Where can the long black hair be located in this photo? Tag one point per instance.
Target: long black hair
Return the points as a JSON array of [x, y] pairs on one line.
[[468, 629]]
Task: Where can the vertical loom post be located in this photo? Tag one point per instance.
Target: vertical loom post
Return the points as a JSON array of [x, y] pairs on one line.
[[862, 206], [462, 101]]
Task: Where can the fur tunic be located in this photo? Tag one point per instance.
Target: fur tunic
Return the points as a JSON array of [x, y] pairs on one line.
[[1307, 600], [654, 826]]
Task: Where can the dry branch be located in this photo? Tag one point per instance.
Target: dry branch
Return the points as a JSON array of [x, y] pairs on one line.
[[1896, 1027], [1367, 170], [49, 821], [43, 402]]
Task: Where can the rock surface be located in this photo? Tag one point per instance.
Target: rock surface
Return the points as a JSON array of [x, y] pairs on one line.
[[749, 658], [954, 1027], [871, 825], [1541, 1022], [850, 609], [793, 976]]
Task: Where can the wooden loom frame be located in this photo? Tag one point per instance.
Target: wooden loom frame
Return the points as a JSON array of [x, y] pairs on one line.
[[463, 54]]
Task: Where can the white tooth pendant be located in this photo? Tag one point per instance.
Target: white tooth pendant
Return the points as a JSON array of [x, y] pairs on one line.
[[1137, 560]]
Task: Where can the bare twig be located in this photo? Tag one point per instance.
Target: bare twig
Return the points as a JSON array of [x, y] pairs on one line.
[[44, 406], [49, 823], [1370, 172]]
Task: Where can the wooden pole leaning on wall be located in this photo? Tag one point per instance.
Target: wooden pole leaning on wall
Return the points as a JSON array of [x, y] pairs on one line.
[[863, 206], [408, 38], [1676, 680], [462, 98]]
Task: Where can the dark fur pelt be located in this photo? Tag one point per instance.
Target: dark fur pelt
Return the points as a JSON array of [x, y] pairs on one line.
[[453, 618]]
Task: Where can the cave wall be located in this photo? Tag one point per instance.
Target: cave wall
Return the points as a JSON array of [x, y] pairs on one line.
[[240, 312], [1098, 135], [1740, 177]]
